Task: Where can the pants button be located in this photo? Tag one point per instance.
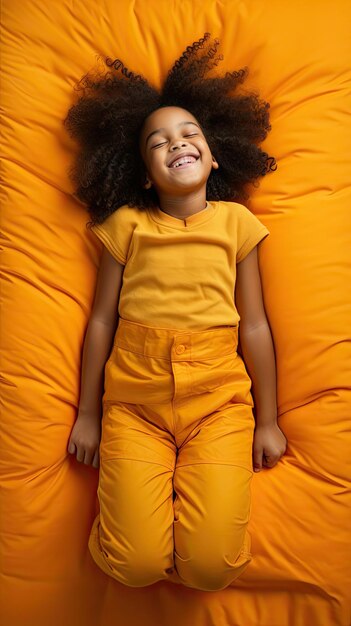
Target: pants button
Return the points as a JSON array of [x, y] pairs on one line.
[[180, 349]]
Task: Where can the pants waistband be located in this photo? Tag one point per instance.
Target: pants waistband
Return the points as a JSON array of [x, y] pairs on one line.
[[176, 344]]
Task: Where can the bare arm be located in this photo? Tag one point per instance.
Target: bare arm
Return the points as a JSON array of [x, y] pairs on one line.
[[255, 338], [85, 436], [258, 354]]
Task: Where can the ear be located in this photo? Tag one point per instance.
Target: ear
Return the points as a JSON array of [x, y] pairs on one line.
[[214, 163], [147, 184]]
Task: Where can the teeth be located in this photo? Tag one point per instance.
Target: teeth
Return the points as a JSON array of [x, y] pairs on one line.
[[189, 159]]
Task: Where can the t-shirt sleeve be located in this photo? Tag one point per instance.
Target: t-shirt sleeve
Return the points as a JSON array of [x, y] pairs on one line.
[[116, 233], [249, 233]]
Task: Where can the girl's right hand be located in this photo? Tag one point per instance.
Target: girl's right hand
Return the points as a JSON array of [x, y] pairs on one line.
[[84, 440]]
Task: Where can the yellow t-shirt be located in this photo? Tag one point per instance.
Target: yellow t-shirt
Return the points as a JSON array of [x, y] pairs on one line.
[[180, 273]]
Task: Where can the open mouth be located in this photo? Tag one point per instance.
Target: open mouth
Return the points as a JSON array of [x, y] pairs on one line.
[[183, 162]]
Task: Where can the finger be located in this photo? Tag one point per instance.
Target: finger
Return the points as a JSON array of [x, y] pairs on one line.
[[96, 460], [80, 454], [88, 457], [71, 447], [270, 461], [257, 460]]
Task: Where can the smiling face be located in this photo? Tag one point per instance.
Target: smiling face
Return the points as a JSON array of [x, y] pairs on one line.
[[174, 149]]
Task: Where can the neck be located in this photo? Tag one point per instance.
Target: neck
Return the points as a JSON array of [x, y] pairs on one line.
[[183, 206]]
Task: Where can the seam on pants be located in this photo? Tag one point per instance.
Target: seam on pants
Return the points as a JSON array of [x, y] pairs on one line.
[[153, 356], [174, 401], [117, 402], [127, 458], [162, 358], [215, 463], [174, 412]]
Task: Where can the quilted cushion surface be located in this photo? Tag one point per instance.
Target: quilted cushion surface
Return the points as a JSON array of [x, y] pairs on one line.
[[299, 59]]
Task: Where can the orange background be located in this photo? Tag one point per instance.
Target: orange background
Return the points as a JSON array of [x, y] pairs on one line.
[[299, 59]]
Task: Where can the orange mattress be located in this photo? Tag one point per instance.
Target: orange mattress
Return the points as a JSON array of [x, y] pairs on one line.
[[299, 55]]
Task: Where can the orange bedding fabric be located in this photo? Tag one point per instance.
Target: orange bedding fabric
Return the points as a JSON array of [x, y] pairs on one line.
[[299, 56]]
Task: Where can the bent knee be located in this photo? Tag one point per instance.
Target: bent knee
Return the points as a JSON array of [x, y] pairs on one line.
[[136, 564], [139, 572], [137, 569], [211, 573]]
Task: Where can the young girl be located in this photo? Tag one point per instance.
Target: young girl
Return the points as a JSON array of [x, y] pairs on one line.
[[162, 175]]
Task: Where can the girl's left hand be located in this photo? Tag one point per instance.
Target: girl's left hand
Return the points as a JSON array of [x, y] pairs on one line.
[[268, 447]]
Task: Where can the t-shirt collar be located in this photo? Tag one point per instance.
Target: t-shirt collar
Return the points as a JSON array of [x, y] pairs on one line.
[[193, 220]]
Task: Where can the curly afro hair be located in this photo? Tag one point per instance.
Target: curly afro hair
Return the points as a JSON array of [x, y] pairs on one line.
[[107, 119]]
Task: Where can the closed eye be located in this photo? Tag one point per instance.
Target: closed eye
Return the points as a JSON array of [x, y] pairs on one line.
[[158, 145]]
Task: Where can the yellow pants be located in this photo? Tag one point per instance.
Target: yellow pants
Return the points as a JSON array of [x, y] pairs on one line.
[[175, 458]]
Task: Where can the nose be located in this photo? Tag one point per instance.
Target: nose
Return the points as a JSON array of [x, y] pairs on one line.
[[178, 144]]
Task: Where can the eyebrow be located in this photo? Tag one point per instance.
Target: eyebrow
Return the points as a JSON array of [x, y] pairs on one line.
[[154, 132]]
